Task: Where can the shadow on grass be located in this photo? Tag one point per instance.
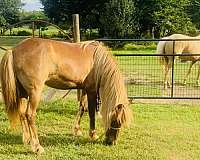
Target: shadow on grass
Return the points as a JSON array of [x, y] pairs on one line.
[[9, 138], [59, 108], [48, 139], [66, 139]]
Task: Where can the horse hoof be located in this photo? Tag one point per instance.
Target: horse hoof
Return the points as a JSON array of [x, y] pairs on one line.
[[38, 149], [93, 135], [78, 133]]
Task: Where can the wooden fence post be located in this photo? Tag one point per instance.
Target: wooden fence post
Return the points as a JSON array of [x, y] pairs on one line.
[[76, 30], [33, 29], [76, 38]]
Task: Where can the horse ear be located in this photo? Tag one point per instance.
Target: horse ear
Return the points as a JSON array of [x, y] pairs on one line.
[[120, 107], [119, 110]]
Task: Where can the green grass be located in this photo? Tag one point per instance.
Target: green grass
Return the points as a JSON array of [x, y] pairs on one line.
[[162, 132]]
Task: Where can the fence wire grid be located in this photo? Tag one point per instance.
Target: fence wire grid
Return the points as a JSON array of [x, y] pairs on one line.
[[144, 77], [144, 74]]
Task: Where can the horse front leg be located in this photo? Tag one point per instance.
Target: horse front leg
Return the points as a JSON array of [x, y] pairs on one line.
[[82, 108], [31, 116], [92, 103], [188, 72], [166, 78]]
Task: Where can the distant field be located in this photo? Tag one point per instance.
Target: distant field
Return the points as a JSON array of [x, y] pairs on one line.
[[50, 30]]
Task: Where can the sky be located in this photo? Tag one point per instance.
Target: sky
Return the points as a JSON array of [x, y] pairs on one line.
[[32, 5]]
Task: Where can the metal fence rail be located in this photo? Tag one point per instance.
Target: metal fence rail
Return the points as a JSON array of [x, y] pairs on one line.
[[144, 75]]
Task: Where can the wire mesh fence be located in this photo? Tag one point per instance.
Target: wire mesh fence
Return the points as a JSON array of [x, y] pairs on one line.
[[144, 75]]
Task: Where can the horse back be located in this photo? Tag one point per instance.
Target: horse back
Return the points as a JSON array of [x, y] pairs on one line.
[[58, 64]]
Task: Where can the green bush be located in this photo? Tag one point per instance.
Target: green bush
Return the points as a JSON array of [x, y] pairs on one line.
[[24, 33], [136, 46]]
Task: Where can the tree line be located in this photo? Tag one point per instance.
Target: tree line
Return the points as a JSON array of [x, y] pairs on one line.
[[116, 18]]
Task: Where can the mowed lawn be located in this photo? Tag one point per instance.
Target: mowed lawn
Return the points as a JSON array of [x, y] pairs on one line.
[[158, 131], [165, 132]]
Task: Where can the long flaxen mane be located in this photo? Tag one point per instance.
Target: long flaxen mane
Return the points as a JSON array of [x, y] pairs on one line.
[[111, 87]]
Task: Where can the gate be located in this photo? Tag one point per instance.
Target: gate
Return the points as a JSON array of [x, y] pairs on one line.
[[144, 75]]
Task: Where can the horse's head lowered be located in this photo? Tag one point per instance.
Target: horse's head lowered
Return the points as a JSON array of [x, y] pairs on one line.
[[117, 119]]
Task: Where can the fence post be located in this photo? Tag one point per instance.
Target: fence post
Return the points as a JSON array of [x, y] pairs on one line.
[[33, 29], [76, 38], [76, 30]]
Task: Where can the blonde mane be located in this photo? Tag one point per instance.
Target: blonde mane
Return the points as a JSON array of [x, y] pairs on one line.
[[110, 84]]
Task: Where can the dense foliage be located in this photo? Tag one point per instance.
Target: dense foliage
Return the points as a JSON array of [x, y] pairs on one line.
[[120, 18], [9, 11]]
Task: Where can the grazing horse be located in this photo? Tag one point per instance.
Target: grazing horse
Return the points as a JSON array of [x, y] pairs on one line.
[[88, 66], [179, 47]]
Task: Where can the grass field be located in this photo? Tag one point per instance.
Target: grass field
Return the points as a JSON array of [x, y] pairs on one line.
[[163, 132], [158, 132]]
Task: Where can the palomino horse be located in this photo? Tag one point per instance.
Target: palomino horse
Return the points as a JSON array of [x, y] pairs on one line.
[[89, 66], [191, 47]]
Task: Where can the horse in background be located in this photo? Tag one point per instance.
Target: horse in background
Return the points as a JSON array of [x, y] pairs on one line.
[[88, 66], [180, 47]]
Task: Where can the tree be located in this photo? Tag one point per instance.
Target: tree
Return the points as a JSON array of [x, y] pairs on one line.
[[194, 12], [60, 11], [118, 19], [145, 15], [164, 17], [33, 15], [113, 18], [9, 11], [177, 19]]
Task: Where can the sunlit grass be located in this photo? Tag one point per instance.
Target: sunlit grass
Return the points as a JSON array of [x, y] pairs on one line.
[[157, 132]]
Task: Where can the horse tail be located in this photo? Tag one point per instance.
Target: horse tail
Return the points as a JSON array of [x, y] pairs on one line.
[[164, 60], [9, 88]]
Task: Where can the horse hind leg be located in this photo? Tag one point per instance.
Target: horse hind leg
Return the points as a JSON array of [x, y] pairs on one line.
[[188, 72], [24, 122], [34, 98], [82, 108], [166, 78], [197, 80]]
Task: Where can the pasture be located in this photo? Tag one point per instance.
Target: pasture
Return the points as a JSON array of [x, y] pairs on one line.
[[158, 131]]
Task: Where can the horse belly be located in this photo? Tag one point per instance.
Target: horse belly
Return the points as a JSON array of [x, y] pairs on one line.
[[188, 58], [60, 84]]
